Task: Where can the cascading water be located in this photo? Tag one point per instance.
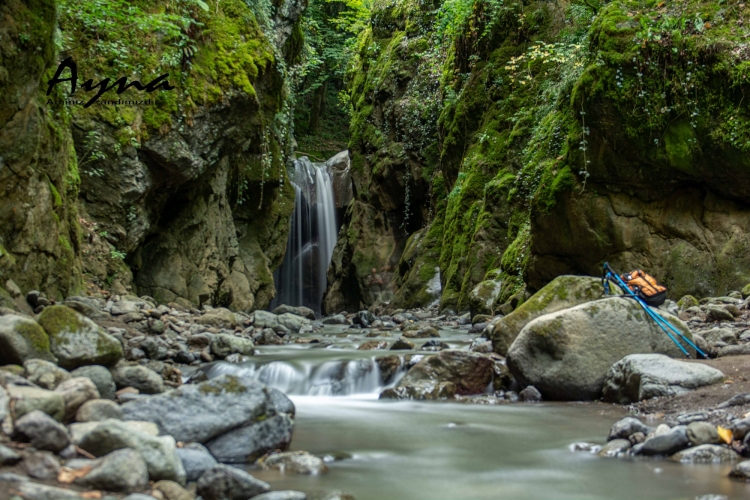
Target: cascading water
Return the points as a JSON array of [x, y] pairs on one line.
[[301, 279]]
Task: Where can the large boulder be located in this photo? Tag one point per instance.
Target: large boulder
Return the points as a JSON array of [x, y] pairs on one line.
[[201, 412], [248, 443], [106, 436], [567, 354], [448, 373], [643, 376], [22, 338], [561, 293], [76, 340]]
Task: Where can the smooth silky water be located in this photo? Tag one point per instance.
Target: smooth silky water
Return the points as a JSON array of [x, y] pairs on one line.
[[411, 450]]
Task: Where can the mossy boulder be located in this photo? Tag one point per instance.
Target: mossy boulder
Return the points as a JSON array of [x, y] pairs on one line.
[[561, 293], [78, 341], [21, 339], [746, 291], [687, 301], [482, 298], [566, 354]]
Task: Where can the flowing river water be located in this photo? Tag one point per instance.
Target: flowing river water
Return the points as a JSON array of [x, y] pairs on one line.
[[409, 450]]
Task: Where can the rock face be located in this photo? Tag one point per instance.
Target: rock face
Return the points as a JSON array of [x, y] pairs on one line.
[[561, 293], [21, 339], [76, 340], [566, 355], [237, 418], [644, 376], [446, 374]]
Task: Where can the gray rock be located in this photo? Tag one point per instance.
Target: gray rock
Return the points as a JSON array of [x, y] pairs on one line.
[[45, 374], [8, 456], [139, 496], [299, 462], [726, 335], [97, 410], [741, 471], [246, 444], [228, 483], [75, 392], [402, 345], [101, 377], [281, 402], [706, 454], [122, 470], [626, 427], [22, 338], [35, 491], [196, 459], [101, 438], [265, 319], [222, 345], [139, 377], [292, 321], [702, 433], [303, 311], [740, 428], [614, 448], [644, 376], [40, 464], [336, 319], [44, 432], [27, 399], [733, 350], [530, 395], [282, 495], [87, 306], [333, 495], [668, 443], [157, 326], [220, 317], [718, 313], [76, 340], [566, 354], [200, 412]]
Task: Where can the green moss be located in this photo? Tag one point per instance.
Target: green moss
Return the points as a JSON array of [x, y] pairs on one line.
[[226, 385], [35, 336], [60, 319]]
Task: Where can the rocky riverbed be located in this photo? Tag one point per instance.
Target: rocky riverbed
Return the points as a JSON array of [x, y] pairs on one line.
[[117, 396]]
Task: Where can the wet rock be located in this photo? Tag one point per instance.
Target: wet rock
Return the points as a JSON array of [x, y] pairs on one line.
[[145, 380], [22, 338], [222, 345], [40, 464], [332, 495], [45, 374], [219, 317], [668, 443], [706, 454], [614, 448], [389, 366], [101, 438], [302, 311], [282, 495], [434, 345], [624, 428], [423, 333], [299, 462], [372, 345], [75, 392], [228, 483], [97, 410], [280, 402], [402, 345], [196, 460], [293, 322], [76, 340], [200, 412], [567, 354], [561, 293], [27, 399], [336, 319], [121, 470], [42, 431], [741, 471], [700, 433], [644, 376], [101, 377], [740, 428], [8, 456], [445, 374], [246, 444], [364, 318], [530, 395]]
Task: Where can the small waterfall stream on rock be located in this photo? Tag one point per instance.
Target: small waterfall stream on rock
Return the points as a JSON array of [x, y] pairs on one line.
[[301, 278], [438, 450]]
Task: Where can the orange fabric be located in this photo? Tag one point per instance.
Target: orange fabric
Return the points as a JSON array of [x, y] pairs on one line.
[[647, 284]]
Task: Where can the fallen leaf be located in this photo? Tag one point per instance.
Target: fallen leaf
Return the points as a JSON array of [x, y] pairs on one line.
[[68, 475], [724, 434], [91, 494]]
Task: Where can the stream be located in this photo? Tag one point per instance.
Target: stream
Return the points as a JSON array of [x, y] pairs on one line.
[[411, 450]]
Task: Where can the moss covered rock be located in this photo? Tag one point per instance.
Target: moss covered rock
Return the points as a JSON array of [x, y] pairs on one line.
[[78, 341], [22, 339], [561, 293]]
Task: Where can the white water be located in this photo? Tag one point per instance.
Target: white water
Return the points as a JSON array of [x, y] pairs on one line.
[[301, 279]]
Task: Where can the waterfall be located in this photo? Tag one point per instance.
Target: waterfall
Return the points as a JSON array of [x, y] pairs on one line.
[[301, 279]]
